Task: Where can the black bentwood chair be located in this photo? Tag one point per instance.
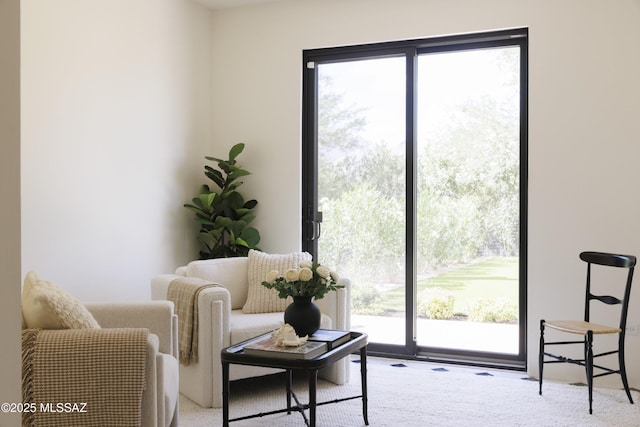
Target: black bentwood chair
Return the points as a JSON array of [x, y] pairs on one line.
[[588, 329]]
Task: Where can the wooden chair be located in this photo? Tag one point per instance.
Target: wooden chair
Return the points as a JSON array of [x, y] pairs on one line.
[[588, 329]]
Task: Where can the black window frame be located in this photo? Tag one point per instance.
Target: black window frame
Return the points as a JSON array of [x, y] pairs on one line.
[[311, 219]]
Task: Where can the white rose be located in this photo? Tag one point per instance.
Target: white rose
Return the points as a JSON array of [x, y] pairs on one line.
[[306, 264], [272, 276], [335, 276], [305, 274], [323, 271], [291, 275]]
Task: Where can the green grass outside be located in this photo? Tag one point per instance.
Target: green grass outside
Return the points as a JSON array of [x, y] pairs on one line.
[[492, 278]]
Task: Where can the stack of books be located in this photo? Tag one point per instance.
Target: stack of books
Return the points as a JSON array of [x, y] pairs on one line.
[[320, 342], [333, 337]]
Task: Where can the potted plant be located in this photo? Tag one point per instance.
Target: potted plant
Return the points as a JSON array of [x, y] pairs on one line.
[[224, 216], [310, 281]]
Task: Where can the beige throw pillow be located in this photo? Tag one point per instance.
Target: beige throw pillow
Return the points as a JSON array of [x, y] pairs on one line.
[[259, 298], [47, 306]]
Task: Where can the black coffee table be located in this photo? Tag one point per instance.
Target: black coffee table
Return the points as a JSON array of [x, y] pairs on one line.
[[235, 355]]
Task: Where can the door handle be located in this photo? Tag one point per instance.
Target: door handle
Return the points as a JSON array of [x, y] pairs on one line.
[[317, 230], [317, 226]]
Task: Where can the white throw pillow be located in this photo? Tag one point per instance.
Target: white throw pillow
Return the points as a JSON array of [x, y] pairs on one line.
[[259, 298], [47, 306]]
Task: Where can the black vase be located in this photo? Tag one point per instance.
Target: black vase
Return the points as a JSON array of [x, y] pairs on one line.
[[303, 315]]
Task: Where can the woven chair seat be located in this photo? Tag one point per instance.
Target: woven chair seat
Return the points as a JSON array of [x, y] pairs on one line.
[[580, 327]]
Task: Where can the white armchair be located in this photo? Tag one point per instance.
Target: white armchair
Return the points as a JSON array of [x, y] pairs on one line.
[[65, 352], [221, 323]]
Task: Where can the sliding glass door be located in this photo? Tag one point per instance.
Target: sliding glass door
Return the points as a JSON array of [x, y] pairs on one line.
[[468, 204], [414, 176], [362, 187]]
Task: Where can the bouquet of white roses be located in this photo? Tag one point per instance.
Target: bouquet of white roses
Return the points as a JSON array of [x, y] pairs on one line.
[[310, 280]]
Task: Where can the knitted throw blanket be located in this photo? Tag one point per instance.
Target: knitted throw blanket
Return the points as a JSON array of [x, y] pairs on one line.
[[83, 377], [184, 294]]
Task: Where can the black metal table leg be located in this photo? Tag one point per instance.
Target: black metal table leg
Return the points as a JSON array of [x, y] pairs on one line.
[[313, 385], [363, 381], [289, 381], [225, 394]]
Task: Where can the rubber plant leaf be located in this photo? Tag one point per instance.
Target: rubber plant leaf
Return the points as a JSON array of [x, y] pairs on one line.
[[250, 204], [251, 236], [235, 151], [214, 175]]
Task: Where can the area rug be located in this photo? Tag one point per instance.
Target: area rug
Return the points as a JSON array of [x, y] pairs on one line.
[[419, 394]]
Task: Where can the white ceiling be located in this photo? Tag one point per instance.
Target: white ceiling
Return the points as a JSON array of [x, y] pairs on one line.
[[221, 4]]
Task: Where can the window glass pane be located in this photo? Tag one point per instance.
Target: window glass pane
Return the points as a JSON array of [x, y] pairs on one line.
[[468, 200], [362, 186]]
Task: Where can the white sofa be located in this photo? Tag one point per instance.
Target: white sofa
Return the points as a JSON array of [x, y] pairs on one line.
[[223, 323]]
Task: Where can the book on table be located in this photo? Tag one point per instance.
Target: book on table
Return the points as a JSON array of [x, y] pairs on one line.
[[267, 347], [333, 337]]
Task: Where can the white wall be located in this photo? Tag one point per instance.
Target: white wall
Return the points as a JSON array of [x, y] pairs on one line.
[[583, 121], [10, 378], [115, 124]]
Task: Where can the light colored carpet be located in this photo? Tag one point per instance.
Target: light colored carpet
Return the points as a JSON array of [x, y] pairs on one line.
[[422, 394]]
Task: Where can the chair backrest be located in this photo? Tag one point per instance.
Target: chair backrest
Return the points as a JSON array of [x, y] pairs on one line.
[[232, 273], [609, 260]]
